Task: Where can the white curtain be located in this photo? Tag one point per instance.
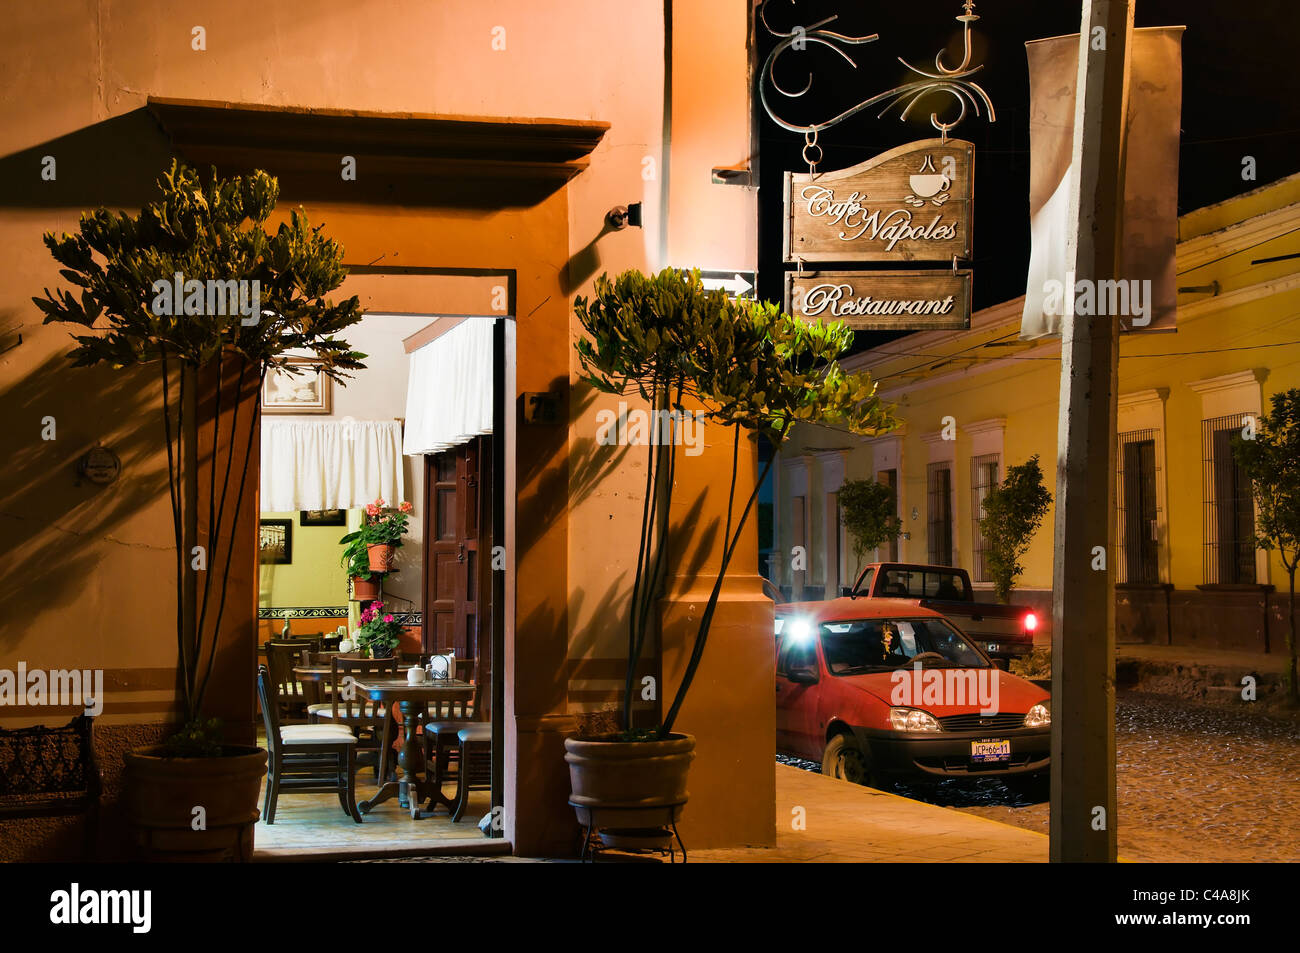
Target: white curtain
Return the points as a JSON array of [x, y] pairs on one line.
[[449, 391], [329, 465]]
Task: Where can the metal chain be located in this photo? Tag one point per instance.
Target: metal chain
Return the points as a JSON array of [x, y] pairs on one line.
[[809, 143]]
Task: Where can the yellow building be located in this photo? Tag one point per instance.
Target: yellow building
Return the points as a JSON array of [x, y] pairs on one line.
[[975, 401]]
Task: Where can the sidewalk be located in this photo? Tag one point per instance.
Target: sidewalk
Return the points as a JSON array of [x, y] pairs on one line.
[[847, 823], [1199, 673], [1237, 660]]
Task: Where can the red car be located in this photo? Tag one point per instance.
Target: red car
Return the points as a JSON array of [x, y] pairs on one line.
[[878, 690]]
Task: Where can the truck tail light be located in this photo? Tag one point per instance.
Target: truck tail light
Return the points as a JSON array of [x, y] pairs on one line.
[[1031, 622]]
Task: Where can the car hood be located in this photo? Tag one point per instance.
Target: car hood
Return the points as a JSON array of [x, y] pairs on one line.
[[1012, 693]]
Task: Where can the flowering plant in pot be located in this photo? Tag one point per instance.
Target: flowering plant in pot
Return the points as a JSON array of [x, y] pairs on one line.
[[195, 287], [381, 533], [749, 368], [380, 632], [356, 560]]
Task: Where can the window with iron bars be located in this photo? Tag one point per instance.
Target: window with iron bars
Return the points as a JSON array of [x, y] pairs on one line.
[[1137, 510], [983, 477], [1229, 520], [939, 484]]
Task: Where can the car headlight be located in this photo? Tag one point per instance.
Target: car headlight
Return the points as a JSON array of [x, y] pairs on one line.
[[912, 719], [1039, 716]]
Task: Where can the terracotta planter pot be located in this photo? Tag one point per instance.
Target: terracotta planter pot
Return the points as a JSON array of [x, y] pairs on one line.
[[629, 784], [161, 794], [381, 556], [363, 589]]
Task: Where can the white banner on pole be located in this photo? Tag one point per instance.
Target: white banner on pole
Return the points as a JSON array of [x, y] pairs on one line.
[[1144, 297]]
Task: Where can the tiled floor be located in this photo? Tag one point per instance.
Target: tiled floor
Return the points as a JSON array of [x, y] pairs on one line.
[[314, 825]]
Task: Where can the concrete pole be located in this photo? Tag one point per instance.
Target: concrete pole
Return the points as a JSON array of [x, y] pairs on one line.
[[1083, 817]]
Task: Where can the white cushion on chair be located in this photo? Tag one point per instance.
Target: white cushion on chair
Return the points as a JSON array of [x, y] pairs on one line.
[[316, 734], [321, 709]]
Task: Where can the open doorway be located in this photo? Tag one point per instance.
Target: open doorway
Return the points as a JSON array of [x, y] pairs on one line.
[[447, 589]]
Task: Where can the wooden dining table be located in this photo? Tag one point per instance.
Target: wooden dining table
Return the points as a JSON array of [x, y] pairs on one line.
[[414, 787]]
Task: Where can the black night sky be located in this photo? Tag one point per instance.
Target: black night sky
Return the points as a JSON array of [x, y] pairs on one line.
[[1239, 99]]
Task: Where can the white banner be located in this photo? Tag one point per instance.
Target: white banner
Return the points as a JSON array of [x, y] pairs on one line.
[[1145, 298]]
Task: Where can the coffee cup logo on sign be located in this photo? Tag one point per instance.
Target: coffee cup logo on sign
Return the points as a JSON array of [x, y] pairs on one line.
[[927, 184]]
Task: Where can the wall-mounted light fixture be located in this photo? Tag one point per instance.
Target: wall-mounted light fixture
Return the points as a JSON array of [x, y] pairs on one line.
[[621, 216]]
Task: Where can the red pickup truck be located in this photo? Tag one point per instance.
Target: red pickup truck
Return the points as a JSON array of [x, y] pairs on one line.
[[883, 689], [1004, 632]]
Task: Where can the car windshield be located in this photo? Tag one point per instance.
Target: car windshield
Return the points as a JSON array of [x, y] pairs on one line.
[[881, 645], [923, 584]]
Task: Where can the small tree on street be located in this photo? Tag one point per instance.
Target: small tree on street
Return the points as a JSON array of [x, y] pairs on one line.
[[1270, 457], [1013, 512], [868, 511]]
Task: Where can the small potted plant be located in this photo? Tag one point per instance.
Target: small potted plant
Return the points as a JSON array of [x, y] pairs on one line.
[[356, 560], [380, 632], [381, 533]]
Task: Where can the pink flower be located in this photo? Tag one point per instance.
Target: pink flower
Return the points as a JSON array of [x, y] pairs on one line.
[[388, 618], [371, 509], [407, 508]]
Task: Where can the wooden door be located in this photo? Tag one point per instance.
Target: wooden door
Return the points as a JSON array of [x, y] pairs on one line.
[[457, 542]]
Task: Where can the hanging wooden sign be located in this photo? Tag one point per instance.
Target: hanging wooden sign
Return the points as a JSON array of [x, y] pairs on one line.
[[882, 300], [913, 203]]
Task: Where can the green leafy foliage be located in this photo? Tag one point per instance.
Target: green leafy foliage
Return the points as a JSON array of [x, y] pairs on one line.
[[1013, 512], [1272, 462], [202, 229], [356, 558], [198, 738], [868, 511], [751, 364]]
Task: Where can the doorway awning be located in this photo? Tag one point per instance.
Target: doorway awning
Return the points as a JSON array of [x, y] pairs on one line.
[[449, 389], [399, 156]]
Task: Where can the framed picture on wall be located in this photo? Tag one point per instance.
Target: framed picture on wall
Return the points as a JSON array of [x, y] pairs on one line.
[[323, 517], [308, 391], [275, 542]]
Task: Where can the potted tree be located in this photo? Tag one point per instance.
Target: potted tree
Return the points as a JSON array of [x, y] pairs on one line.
[[746, 366], [197, 287]]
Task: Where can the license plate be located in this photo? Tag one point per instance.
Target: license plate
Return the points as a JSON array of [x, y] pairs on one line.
[[991, 749]]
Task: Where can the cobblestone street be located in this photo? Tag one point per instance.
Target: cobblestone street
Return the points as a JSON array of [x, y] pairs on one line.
[[1196, 783]]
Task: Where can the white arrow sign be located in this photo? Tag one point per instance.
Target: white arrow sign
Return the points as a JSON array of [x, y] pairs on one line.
[[735, 286]]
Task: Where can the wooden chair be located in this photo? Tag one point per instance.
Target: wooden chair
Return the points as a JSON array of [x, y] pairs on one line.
[[316, 759], [351, 709], [281, 657], [52, 772], [475, 769], [442, 725], [329, 643]]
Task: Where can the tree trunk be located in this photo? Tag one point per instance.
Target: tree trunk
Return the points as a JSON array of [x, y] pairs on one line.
[[1293, 688], [189, 481]]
